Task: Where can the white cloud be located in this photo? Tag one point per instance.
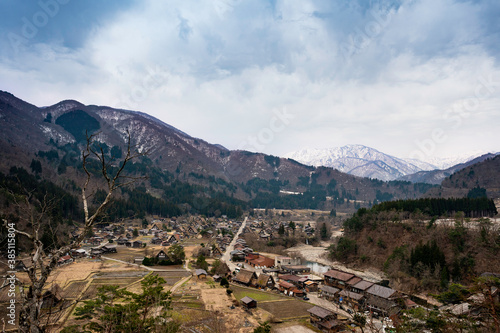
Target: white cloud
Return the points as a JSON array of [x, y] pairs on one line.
[[219, 70]]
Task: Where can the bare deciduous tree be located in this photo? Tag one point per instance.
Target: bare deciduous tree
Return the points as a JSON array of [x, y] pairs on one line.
[[44, 261]]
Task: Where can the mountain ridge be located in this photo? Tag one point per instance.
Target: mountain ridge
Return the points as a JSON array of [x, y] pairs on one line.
[[368, 162], [360, 160], [31, 133]]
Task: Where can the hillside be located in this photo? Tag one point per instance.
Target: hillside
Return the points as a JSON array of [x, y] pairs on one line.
[[437, 176], [478, 179], [423, 244], [52, 137]]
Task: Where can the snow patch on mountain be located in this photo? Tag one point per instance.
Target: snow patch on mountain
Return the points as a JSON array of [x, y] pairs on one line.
[[364, 161], [359, 160]]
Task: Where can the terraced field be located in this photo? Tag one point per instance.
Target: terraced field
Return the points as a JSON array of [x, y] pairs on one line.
[[74, 289], [172, 277]]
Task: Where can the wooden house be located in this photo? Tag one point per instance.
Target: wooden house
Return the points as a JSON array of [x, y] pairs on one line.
[[108, 248], [216, 252], [285, 287], [201, 273], [265, 281], [324, 319], [248, 302], [328, 292], [361, 286], [351, 299], [161, 255], [382, 300], [311, 286], [338, 279], [137, 244], [259, 261], [156, 240], [245, 277], [78, 253]]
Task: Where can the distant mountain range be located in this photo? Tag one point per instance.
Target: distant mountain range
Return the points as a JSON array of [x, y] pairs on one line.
[[55, 135], [364, 161]]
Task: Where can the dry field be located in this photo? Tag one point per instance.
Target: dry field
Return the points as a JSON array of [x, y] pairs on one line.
[[287, 309], [218, 315], [172, 277], [74, 289]]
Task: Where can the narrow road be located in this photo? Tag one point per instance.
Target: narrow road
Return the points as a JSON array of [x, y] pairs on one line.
[[226, 256]]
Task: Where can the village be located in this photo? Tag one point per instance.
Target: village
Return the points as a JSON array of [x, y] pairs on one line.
[[220, 272]]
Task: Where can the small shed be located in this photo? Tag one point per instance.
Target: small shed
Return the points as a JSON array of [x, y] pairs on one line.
[[248, 302], [201, 273]]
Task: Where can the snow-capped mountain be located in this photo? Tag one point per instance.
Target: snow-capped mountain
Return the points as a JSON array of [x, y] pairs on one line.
[[364, 161], [361, 161], [443, 163]]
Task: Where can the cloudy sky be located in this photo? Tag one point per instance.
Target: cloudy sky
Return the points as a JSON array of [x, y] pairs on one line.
[[413, 78]]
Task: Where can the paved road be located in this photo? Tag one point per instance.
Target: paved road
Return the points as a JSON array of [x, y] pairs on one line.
[[226, 256]]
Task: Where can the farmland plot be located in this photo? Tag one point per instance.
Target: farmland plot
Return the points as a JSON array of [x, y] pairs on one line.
[[74, 289], [286, 309]]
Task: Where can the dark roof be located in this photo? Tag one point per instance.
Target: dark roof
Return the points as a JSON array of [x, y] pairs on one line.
[[294, 278], [351, 295], [296, 267], [380, 303], [320, 312], [339, 275], [328, 289], [247, 300], [354, 280], [286, 285], [363, 285], [380, 291], [263, 261]]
